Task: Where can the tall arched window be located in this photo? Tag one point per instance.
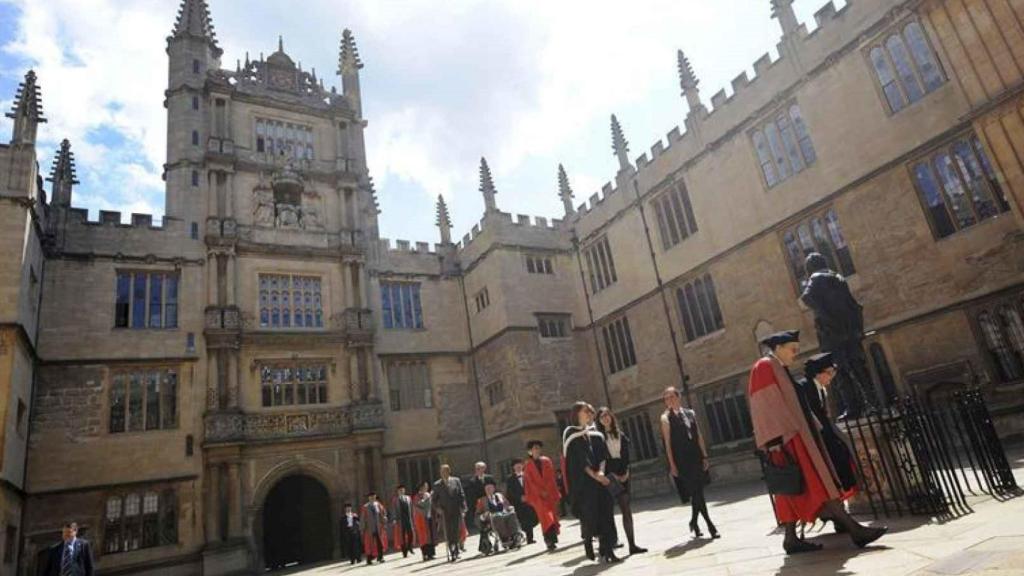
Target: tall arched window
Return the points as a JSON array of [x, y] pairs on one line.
[[905, 66]]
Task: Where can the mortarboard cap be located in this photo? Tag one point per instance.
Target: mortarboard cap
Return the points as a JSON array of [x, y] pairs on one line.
[[817, 364], [780, 338]]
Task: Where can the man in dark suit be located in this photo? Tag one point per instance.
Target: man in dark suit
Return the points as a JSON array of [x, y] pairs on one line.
[[351, 536], [475, 490], [515, 490], [72, 556]]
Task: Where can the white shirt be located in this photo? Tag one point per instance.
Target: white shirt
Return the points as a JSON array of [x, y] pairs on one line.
[[614, 446]]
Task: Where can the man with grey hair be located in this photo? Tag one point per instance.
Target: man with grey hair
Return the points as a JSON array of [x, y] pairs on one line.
[[450, 501], [475, 490]]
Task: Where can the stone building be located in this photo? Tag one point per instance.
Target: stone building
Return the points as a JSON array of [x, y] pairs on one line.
[[204, 395]]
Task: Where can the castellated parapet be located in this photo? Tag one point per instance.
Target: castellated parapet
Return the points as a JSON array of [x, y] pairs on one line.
[[109, 237], [501, 229], [799, 53]]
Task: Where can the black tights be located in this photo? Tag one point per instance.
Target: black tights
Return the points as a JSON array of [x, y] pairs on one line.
[[627, 517], [698, 505]]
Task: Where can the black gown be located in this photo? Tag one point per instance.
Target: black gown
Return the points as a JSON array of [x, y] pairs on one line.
[[591, 502], [686, 452], [817, 417]]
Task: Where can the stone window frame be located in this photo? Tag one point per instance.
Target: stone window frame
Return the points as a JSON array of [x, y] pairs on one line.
[[430, 464], [538, 264], [639, 427], [600, 264], [554, 325], [313, 386], [998, 326], [315, 312], [169, 303], [414, 309], [881, 46], [619, 345], [799, 145], [824, 233], [992, 180], [482, 299], [413, 394], [695, 301], [168, 403], [273, 136], [128, 515], [674, 215], [726, 414], [495, 393]]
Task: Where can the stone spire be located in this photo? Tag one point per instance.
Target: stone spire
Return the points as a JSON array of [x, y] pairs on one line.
[[444, 221], [194, 20], [63, 175], [349, 65], [27, 111], [782, 10], [689, 83], [565, 191], [487, 187], [620, 146]]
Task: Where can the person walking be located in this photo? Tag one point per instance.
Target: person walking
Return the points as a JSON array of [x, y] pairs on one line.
[[423, 520], [782, 431], [515, 488], [617, 467], [543, 493], [449, 500], [374, 521], [584, 454], [351, 535], [687, 457], [72, 556], [401, 507]]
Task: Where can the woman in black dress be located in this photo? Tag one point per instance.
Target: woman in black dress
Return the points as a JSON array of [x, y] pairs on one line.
[[584, 454], [617, 466], [687, 457]]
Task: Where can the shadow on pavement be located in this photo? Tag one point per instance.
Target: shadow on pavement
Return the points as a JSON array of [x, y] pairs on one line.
[[680, 549]]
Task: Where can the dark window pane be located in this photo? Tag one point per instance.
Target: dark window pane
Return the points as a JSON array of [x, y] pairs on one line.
[[152, 400], [118, 404], [135, 396], [121, 307], [139, 301], [716, 312], [171, 304], [933, 200], [156, 297]]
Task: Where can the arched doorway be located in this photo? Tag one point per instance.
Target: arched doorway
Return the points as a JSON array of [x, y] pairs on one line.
[[296, 523]]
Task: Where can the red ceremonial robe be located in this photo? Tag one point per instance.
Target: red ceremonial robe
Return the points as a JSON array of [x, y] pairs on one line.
[[775, 413], [396, 528], [540, 491], [421, 524], [369, 546]]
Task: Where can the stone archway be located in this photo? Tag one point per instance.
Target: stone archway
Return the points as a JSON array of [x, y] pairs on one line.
[[297, 523]]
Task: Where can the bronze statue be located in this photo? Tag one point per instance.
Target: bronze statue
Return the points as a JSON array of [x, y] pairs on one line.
[[839, 322]]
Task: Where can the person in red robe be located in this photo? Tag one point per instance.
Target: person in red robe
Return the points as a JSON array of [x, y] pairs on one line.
[[374, 521], [777, 417], [403, 534], [423, 521], [541, 492]]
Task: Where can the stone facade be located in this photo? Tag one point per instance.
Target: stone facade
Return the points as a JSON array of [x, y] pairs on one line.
[[411, 354]]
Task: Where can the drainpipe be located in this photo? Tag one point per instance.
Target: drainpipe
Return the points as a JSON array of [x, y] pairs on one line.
[[473, 369], [590, 316], [664, 300]]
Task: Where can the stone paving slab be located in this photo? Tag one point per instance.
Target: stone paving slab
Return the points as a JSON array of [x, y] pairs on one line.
[[989, 541]]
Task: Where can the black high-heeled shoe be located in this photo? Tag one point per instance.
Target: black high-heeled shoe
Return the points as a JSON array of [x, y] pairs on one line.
[[634, 549], [695, 529], [713, 531], [611, 558], [588, 549]]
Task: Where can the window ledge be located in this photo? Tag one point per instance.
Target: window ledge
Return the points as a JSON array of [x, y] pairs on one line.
[[140, 433], [146, 329], [965, 232], [711, 336]]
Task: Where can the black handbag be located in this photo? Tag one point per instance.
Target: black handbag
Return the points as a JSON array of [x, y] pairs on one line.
[[615, 487], [786, 478]]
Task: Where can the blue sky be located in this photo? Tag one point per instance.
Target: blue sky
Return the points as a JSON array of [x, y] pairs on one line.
[[526, 83]]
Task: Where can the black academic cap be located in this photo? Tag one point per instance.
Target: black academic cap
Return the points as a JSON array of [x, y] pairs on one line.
[[817, 364], [490, 482], [532, 443], [780, 338]]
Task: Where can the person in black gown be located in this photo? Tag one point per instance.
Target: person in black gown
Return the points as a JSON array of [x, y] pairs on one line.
[[819, 370], [687, 457], [584, 454], [617, 466]]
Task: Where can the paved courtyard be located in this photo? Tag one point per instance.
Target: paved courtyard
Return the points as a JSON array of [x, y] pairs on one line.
[[988, 541]]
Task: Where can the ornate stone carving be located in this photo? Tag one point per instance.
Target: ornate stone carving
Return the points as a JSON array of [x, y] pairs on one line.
[[311, 217], [263, 200], [287, 216], [232, 318], [322, 422]]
